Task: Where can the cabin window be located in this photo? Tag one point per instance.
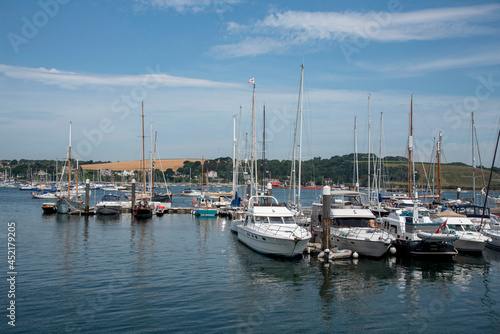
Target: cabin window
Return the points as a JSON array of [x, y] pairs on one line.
[[469, 228], [352, 222], [275, 220], [455, 228], [289, 220], [259, 220]]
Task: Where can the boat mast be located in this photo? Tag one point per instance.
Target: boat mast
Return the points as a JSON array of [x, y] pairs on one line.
[[300, 132], [76, 198], [254, 144], [264, 148], [369, 152], [153, 168], [439, 166], [143, 165], [379, 185], [356, 167], [69, 164], [473, 163], [235, 176], [410, 151], [238, 150], [202, 162]]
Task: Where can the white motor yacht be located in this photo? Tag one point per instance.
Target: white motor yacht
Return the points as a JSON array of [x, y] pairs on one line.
[[270, 228]]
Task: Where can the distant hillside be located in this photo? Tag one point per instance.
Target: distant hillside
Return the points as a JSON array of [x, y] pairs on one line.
[[320, 171]]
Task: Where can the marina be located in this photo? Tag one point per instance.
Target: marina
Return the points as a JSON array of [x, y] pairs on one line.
[[265, 214], [180, 273]]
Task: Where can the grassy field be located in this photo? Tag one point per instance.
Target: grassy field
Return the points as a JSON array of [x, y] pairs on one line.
[[162, 164], [452, 176]]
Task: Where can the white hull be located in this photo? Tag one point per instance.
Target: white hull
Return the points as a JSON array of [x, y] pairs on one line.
[[45, 196], [366, 242], [495, 238], [271, 245], [235, 224]]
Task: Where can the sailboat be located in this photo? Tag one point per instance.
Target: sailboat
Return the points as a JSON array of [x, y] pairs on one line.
[[202, 205], [66, 204], [413, 230], [143, 209], [296, 183]]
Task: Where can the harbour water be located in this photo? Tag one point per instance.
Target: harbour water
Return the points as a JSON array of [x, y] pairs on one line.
[[181, 274]]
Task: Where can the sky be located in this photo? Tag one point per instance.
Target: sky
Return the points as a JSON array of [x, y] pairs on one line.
[[93, 63]]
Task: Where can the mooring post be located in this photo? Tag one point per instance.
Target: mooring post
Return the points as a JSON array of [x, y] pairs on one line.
[[269, 193], [326, 217], [132, 202], [87, 197], [249, 189]]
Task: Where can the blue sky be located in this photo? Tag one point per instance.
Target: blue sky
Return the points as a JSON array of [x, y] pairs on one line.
[[93, 62]]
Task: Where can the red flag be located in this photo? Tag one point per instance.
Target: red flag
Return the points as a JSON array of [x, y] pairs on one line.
[[442, 225], [251, 80]]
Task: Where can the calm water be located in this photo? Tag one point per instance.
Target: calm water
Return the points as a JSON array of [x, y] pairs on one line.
[[179, 274]]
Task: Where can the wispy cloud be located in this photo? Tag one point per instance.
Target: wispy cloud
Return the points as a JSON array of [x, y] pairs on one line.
[[29, 115], [291, 28], [72, 80], [486, 58], [181, 6]]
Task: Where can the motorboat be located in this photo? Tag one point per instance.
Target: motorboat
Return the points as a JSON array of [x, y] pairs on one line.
[[470, 240], [49, 208], [202, 206], [143, 209], [415, 234], [270, 228], [353, 225], [109, 205]]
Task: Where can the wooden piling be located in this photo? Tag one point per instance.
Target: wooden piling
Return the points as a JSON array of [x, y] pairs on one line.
[[132, 202], [87, 197], [269, 193], [326, 214]]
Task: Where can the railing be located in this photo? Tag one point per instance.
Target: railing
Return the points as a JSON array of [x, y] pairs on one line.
[[356, 231]]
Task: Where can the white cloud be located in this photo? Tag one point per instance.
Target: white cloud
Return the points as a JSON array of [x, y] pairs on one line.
[[292, 28], [73, 80], [182, 6], [250, 47], [486, 58]]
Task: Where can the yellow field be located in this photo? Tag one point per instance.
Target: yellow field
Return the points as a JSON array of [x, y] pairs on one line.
[[162, 165]]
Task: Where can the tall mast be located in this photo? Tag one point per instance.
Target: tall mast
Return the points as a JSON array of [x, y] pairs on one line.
[[410, 151], [153, 167], [254, 142], [151, 158], [235, 176], [77, 179], [369, 152], [439, 166], [473, 163], [238, 149], [264, 148], [143, 165], [202, 162], [379, 186], [300, 132], [69, 164], [356, 167]]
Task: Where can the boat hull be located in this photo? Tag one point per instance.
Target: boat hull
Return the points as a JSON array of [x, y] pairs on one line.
[[365, 244], [65, 206], [495, 239], [268, 245], [205, 212], [428, 249], [109, 209], [49, 208]]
